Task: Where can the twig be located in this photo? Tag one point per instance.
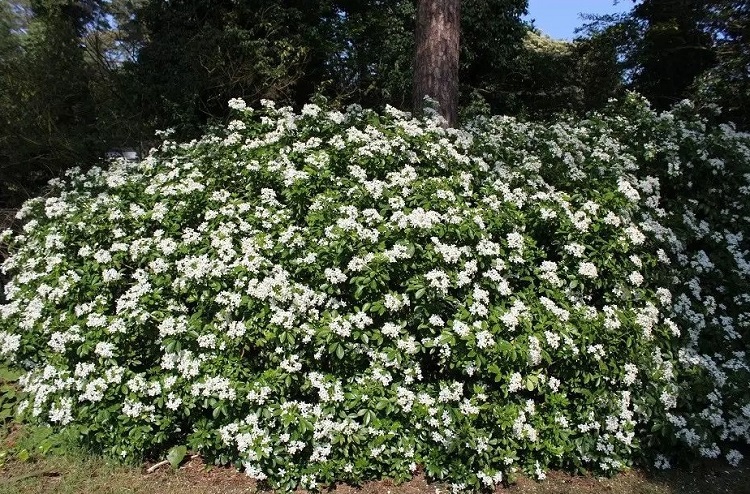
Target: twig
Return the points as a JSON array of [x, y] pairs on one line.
[[34, 474], [154, 468]]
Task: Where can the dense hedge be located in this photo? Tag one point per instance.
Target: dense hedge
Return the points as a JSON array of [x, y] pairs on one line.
[[328, 296]]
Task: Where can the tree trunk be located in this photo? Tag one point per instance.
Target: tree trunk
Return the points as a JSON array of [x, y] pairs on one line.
[[436, 59]]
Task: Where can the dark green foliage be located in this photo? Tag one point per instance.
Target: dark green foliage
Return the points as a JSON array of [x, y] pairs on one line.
[[727, 82], [491, 42], [48, 113], [372, 60], [670, 50], [548, 76], [349, 51], [199, 54], [674, 49], [10, 394]]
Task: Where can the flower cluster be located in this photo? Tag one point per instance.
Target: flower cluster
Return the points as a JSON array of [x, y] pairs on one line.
[[340, 296]]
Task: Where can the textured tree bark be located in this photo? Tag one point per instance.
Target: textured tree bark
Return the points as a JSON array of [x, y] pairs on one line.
[[436, 58]]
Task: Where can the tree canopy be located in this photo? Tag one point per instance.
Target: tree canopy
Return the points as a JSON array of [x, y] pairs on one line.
[[78, 77]]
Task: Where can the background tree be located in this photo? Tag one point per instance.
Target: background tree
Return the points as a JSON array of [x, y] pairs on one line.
[[371, 59], [674, 49], [492, 42], [436, 57], [727, 82], [669, 50], [199, 54], [80, 76], [49, 113], [550, 76], [373, 64]]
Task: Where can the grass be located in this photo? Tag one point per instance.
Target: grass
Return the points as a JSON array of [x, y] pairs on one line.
[[33, 462]]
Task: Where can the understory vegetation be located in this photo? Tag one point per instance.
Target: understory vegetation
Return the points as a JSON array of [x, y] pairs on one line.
[[332, 296]]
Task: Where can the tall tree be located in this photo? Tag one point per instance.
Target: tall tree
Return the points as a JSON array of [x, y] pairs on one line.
[[550, 76], [201, 53], [727, 83], [50, 114], [674, 48], [436, 59], [371, 61], [664, 46]]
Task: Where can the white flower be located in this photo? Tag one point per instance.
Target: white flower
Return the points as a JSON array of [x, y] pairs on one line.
[[291, 364], [554, 384], [102, 256], [628, 190], [631, 373], [94, 390], [104, 349], [391, 330], [515, 240], [635, 278], [662, 462], [634, 235], [461, 329], [668, 400], [61, 413], [207, 341], [513, 317], [173, 402], [334, 276], [408, 345], [575, 249], [664, 295], [438, 279], [96, 321], [734, 457], [110, 275], [436, 321], [237, 104], [597, 351], [395, 302], [612, 219], [236, 329], [9, 343], [553, 339], [535, 351], [588, 270], [450, 253], [485, 339]]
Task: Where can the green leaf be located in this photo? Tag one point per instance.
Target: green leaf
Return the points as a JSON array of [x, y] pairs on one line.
[[23, 455], [176, 455]]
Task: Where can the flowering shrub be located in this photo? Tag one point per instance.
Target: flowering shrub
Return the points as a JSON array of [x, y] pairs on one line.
[[328, 296]]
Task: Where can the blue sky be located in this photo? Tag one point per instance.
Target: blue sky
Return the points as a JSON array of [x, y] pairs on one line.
[[559, 18]]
